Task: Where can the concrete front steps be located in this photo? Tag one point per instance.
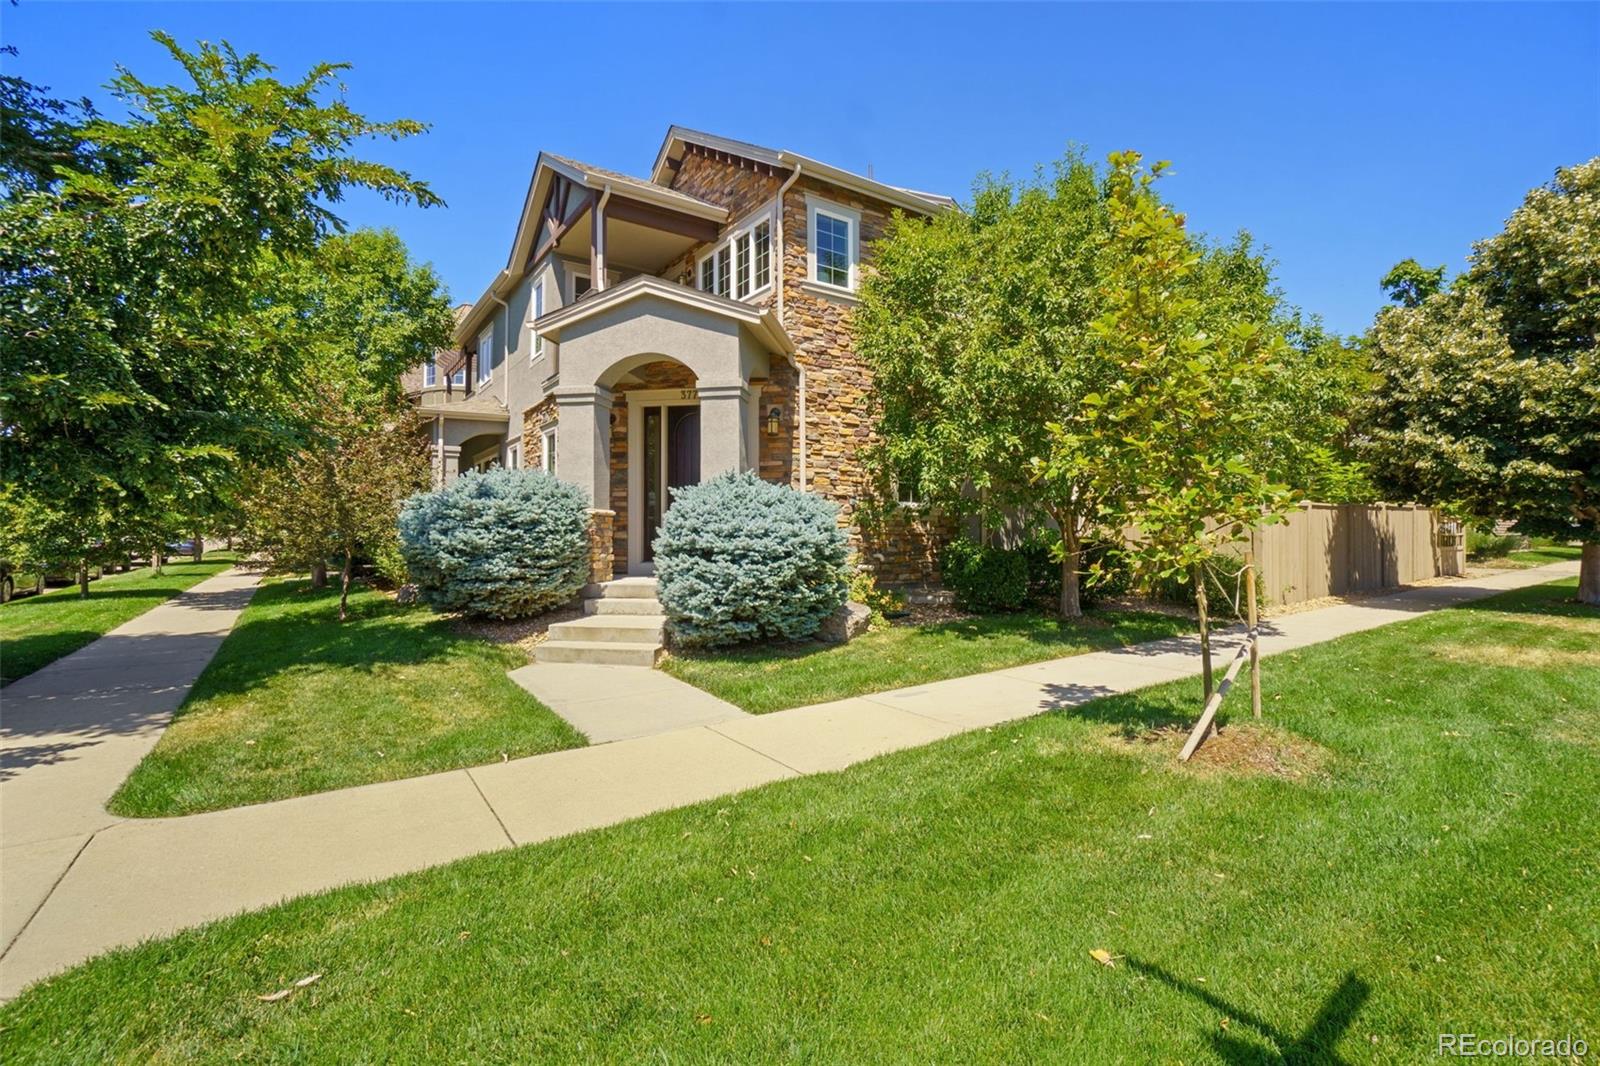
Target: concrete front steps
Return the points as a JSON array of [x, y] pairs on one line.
[[622, 626]]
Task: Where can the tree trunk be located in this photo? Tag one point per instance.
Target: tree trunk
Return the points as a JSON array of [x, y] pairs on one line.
[[1071, 602], [155, 559], [1589, 574], [83, 577], [319, 575], [199, 548], [1201, 605], [344, 584]]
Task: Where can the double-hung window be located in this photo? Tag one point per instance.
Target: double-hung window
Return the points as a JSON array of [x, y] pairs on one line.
[[485, 354], [834, 256], [548, 460], [430, 373], [535, 310], [741, 265]]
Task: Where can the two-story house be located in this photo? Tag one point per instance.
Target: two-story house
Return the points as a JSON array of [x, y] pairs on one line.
[[647, 334]]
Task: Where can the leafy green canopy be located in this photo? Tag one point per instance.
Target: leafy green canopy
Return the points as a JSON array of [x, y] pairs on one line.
[[1489, 392], [980, 329], [134, 257]]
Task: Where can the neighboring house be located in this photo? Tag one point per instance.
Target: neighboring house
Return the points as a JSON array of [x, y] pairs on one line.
[[648, 334]]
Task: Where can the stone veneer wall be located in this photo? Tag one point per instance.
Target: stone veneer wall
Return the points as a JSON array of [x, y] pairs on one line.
[[899, 545], [535, 420]]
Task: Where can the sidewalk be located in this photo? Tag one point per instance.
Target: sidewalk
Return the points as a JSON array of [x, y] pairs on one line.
[[137, 879], [72, 731]]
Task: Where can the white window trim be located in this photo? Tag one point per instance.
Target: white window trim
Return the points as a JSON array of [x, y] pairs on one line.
[[572, 283], [514, 456], [547, 441], [745, 227], [848, 215], [535, 311], [430, 373], [485, 348]]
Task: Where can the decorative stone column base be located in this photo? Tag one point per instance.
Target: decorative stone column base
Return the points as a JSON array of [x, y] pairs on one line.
[[601, 558]]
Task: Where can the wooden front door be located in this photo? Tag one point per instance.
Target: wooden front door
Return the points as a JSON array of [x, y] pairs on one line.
[[671, 456]]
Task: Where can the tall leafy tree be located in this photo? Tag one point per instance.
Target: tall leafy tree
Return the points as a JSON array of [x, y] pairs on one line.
[[1408, 283], [1490, 390], [1173, 443], [362, 313], [977, 328], [133, 259]]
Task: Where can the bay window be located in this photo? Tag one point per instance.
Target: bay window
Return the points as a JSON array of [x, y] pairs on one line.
[[741, 265]]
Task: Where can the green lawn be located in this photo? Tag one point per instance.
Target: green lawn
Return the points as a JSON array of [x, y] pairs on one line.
[[296, 702], [1424, 858], [763, 679], [1554, 553], [37, 630]]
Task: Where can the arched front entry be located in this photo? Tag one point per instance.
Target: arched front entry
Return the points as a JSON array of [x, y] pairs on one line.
[[659, 388], [656, 409]]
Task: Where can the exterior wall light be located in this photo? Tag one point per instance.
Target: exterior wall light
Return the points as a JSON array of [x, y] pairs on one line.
[[774, 421]]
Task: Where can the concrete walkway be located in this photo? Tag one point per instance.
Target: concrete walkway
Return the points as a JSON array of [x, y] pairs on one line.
[[72, 731], [132, 880], [607, 703]]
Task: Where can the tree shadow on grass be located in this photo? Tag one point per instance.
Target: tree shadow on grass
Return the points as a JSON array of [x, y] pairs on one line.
[[292, 627], [1131, 714], [1316, 1043], [21, 656]]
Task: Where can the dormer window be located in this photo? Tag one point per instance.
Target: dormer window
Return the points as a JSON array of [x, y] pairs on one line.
[[741, 265]]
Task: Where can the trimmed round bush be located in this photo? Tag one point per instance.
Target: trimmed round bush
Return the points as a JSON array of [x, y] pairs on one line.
[[742, 559], [985, 578], [501, 544]]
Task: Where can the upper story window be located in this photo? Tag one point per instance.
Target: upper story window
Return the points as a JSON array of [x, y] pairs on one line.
[[430, 373], [459, 376], [741, 265], [834, 255], [535, 311], [485, 354]]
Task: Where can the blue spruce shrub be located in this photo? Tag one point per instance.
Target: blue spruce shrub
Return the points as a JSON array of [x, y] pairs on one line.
[[502, 544], [741, 559]]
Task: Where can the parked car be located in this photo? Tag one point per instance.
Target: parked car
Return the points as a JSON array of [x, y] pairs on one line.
[[15, 579]]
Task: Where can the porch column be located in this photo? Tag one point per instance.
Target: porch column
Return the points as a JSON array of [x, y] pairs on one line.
[[722, 428], [449, 463], [583, 440]]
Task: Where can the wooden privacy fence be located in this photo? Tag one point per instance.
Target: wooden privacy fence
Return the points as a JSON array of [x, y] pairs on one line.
[[1327, 549]]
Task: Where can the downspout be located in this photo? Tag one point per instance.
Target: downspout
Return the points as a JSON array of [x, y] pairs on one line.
[[505, 378], [598, 267], [783, 283]]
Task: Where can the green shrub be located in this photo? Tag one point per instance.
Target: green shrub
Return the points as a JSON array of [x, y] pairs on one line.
[[985, 578], [503, 544], [1486, 545], [742, 559], [882, 602]]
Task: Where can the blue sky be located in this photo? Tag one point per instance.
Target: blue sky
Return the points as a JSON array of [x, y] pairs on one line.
[[1344, 136]]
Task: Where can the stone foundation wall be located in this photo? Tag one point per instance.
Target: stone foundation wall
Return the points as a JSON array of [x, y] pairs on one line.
[[602, 563]]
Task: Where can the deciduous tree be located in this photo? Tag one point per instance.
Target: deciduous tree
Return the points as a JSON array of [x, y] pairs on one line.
[[1490, 390]]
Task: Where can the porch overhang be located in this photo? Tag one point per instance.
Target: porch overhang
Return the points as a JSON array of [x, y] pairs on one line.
[[762, 322]]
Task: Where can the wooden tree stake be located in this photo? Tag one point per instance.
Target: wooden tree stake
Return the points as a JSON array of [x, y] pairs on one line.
[[1203, 726], [1255, 639]]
